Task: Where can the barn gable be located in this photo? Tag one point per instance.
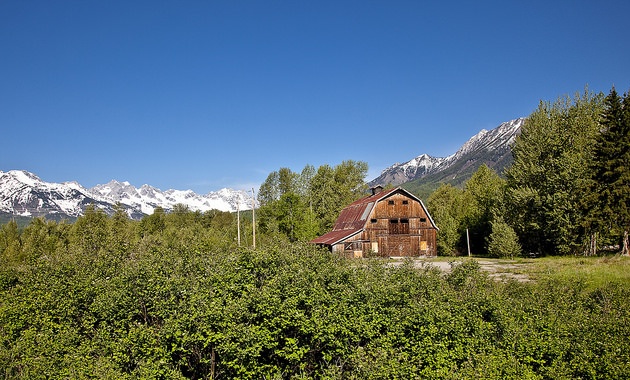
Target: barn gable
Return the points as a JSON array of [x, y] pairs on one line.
[[386, 223]]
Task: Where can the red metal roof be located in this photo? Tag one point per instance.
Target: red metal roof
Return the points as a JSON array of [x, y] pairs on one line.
[[334, 237], [355, 214], [352, 219]]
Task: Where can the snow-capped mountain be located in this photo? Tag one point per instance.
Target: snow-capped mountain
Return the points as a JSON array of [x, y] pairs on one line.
[[489, 147], [147, 198], [415, 168], [23, 193]]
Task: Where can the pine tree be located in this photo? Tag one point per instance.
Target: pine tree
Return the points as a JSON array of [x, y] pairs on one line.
[[610, 185]]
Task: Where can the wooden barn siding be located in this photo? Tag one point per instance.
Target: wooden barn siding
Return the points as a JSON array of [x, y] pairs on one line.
[[420, 229]]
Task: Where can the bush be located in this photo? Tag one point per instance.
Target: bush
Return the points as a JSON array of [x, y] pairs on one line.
[[171, 308], [503, 241]]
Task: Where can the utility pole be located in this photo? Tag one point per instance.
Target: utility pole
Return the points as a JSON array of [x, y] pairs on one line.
[[254, 216], [468, 241], [238, 223]]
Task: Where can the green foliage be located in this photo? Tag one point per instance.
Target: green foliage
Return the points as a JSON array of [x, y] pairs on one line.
[[503, 241], [483, 195], [174, 297], [446, 208], [10, 243], [547, 181], [608, 207], [295, 219], [183, 302], [474, 209], [332, 189], [300, 206]]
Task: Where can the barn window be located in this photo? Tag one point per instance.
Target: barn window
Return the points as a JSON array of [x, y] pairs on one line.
[[405, 202], [423, 220], [373, 220], [393, 226], [390, 202], [398, 227], [404, 226]]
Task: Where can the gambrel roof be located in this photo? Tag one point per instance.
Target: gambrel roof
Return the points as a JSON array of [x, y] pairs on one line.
[[353, 218]]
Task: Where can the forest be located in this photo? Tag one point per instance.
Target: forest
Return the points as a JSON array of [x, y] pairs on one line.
[[186, 295]]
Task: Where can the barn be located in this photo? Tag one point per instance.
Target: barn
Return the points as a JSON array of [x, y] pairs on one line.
[[387, 223]]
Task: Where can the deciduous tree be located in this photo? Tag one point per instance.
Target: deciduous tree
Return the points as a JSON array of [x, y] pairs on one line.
[[547, 181]]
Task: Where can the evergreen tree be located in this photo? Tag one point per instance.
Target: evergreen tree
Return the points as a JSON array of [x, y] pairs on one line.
[[610, 185]]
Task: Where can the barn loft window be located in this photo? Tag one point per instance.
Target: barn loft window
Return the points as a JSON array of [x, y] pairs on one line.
[[404, 226], [393, 226], [398, 227], [390, 202], [405, 202], [423, 220], [373, 220]]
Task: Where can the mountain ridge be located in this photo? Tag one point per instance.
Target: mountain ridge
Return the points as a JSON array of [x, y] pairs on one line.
[[424, 173], [23, 193]]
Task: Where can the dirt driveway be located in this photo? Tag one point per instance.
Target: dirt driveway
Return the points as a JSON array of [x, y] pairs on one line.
[[500, 270]]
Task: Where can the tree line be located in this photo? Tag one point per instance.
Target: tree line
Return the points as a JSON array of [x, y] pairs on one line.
[[301, 206], [567, 191]]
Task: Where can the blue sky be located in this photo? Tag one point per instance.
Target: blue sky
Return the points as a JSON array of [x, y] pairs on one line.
[[203, 95]]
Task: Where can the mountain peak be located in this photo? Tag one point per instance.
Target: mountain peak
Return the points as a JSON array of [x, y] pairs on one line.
[[496, 141]]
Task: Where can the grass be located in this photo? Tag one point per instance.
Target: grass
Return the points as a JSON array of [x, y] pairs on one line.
[[594, 272]]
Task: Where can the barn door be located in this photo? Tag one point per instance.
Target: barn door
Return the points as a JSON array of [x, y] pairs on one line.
[[395, 246]]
